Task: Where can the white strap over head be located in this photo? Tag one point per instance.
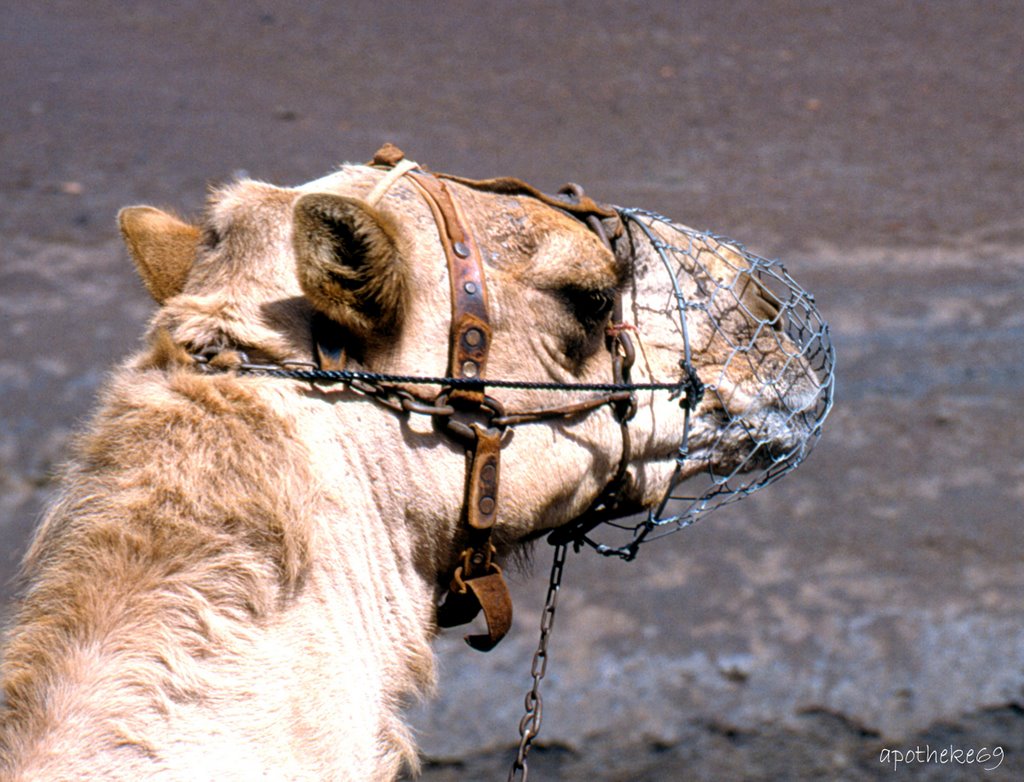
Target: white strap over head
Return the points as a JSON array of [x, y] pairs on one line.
[[400, 169]]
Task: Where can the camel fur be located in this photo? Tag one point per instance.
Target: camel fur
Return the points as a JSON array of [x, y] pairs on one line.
[[239, 576]]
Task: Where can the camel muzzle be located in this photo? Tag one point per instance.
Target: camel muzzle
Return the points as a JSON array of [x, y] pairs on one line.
[[772, 431]]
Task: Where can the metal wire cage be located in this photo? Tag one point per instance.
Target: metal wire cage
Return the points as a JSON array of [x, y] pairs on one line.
[[722, 273]]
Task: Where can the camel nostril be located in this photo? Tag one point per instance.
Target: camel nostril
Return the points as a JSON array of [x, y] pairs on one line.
[[760, 304]]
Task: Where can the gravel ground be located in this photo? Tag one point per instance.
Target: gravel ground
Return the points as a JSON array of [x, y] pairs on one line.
[[872, 601]]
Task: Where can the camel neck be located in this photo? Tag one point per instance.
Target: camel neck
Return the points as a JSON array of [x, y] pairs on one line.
[[194, 614]]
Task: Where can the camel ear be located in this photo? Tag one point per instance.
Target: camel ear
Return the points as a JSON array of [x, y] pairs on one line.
[[161, 246], [349, 264]]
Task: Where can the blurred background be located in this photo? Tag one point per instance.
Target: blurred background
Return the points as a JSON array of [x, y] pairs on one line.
[[875, 598]]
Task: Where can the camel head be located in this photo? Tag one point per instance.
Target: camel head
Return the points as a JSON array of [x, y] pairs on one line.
[[268, 267], [356, 397]]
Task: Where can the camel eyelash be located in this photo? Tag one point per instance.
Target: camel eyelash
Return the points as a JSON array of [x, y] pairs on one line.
[[590, 307]]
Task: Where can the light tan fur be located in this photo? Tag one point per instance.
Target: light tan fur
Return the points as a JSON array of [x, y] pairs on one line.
[[161, 246], [238, 580]]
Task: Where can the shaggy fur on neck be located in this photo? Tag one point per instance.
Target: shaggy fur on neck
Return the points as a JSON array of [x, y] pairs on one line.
[[186, 529]]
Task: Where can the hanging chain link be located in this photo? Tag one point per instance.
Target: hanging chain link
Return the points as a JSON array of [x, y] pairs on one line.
[[529, 725]]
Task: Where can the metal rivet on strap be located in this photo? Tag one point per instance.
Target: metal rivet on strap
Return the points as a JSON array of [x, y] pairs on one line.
[[469, 369], [486, 505], [469, 288], [473, 337], [461, 249]]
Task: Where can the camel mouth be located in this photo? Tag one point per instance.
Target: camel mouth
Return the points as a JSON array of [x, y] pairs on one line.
[[768, 378], [753, 442], [727, 463]]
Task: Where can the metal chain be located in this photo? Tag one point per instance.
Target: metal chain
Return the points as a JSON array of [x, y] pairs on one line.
[[529, 725]]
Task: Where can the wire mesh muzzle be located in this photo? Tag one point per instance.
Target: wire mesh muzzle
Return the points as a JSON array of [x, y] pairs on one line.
[[763, 352]]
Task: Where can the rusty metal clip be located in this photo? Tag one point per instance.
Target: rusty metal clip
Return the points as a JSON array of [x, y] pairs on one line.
[[463, 421], [411, 404], [469, 595]]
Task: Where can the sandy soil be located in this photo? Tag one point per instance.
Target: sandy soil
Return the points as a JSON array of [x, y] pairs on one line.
[[872, 600]]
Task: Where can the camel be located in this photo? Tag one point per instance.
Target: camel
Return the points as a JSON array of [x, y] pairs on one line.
[[240, 576]]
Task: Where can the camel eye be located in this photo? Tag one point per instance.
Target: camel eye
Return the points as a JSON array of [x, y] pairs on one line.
[[590, 307]]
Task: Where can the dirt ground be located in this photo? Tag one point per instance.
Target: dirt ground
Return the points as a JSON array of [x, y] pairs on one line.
[[874, 600]]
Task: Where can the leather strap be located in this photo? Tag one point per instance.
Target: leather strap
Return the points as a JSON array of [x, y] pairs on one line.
[[491, 592], [470, 333], [484, 472], [477, 583], [582, 207], [389, 156]]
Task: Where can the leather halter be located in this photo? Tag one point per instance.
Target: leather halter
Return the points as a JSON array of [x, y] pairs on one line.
[[477, 583], [475, 419]]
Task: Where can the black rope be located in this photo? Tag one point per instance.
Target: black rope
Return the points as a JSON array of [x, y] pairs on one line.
[[685, 386]]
